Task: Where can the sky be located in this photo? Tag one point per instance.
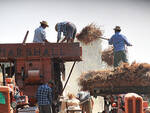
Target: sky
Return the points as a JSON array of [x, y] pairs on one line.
[[18, 16]]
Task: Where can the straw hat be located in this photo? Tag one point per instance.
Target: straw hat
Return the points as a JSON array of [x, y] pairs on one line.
[[45, 23], [117, 28]]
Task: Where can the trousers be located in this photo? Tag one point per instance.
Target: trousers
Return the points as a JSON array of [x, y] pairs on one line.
[[120, 56], [45, 109]]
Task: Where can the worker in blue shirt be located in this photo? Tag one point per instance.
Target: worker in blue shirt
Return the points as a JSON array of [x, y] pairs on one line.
[[40, 34], [119, 41], [44, 97], [69, 31]]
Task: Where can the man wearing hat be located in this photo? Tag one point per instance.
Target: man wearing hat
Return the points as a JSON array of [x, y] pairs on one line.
[[119, 41], [44, 97], [69, 31], [40, 34]]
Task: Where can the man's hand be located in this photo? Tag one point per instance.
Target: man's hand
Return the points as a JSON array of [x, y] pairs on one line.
[[131, 45], [46, 41]]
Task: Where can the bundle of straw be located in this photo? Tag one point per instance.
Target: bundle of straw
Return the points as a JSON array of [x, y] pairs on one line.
[[107, 56], [135, 74], [89, 33]]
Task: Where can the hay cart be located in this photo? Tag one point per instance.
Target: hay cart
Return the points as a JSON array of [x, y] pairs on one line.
[[122, 100]]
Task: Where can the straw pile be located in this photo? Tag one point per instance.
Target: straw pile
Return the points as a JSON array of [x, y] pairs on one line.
[[107, 56], [135, 74], [89, 33]]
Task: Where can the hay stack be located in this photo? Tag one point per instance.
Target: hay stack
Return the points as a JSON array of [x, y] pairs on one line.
[[107, 56], [135, 74], [89, 33]]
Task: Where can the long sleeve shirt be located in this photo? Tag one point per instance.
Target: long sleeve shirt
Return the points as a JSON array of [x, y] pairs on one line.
[[119, 41], [61, 27], [39, 35], [44, 95]]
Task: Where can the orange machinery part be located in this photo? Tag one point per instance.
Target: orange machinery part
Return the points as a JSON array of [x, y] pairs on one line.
[[145, 104], [8, 80], [133, 103], [5, 108]]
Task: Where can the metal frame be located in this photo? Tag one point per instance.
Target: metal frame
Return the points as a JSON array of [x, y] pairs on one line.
[[98, 91]]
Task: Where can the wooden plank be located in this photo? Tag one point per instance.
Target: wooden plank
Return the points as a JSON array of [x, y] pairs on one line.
[[120, 90]]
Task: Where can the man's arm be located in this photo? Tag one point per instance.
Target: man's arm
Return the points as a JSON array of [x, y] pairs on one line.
[[43, 35], [110, 41], [58, 36], [45, 40], [50, 95], [59, 32], [126, 41]]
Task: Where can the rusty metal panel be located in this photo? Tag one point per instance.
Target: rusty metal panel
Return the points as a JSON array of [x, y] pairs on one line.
[[47, 70], [30, 90], [69, 51], [43, 66], [19, 64], [138, 106], [130, 106]]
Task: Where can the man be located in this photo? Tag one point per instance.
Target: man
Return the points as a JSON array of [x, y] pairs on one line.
[[40, 34], [86, 101], [119, 41], [44, 97], [83, 95], [69, 31]]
